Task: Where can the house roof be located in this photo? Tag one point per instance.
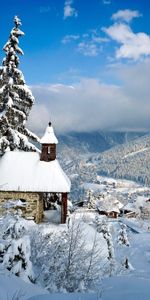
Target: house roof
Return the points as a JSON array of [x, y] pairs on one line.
[[130, 206], [23, 171], [49, 136], [108, 205]]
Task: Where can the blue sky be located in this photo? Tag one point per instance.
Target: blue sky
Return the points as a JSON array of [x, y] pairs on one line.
[[71, 46], [47, 58]]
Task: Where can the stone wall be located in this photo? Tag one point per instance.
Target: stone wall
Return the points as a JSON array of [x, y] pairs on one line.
[[33, 208], [39, 210]]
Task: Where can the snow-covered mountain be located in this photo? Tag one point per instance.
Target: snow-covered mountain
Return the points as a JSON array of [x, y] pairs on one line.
[[130, 160], [96, 141]]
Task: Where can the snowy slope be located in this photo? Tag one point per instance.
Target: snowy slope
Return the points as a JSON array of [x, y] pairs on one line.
[[130, 160], [96, 141], [12, 287], [132, 283], [72, 296], [126, 288]]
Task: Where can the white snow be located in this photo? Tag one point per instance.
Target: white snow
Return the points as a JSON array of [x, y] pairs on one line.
[[71, 296], [53, 216], [141, 201], [10, 102], [132, 285], [136, 152], [125, 288], [130, 207], [109, 204], [49, 136], [14, 203], [12, 287], [23, 171]]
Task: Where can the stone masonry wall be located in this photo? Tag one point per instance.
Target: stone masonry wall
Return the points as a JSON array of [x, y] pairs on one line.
[[33, 208]]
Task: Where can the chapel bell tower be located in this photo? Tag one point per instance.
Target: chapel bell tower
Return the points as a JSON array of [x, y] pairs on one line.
[[48, 142]]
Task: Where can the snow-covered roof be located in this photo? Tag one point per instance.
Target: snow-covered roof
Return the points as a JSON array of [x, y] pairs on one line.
[[130, 206], [111, 199], [141, 201], [23, 171], [107, 206], [49, 136]]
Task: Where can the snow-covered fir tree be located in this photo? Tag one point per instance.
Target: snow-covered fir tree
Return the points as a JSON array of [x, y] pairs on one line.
[[123, 238], [91, 201], [15, 249], [103, 227], [16, 99]]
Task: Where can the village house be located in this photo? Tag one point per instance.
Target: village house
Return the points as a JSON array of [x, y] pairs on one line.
[[129, 210], [109, 206], [34, 180], [143, 207]]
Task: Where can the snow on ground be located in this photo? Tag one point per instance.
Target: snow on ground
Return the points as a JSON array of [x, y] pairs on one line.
[[53, 216], [131, 284], [136, 152], [126, 288], [94, 187], [72, 296], [115, 185], [13, 288]]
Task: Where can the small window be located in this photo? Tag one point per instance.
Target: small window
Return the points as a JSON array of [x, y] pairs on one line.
[[49, 149]]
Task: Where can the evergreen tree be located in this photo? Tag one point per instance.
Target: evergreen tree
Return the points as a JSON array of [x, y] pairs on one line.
[[15, 249], [103, 227], [123, 238], [16, 98]]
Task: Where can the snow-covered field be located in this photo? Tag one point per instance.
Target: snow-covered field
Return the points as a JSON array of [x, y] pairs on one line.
[[132, 283], [114, 254], [13, 288]]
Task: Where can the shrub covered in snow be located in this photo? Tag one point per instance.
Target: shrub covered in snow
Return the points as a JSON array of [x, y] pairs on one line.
[[63, 261]]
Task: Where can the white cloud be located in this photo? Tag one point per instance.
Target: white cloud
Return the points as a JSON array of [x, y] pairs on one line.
[[89, 48], [92, 105], [76, 107], [69, 10], [121, 33], [39, 118], [88, 44], [126, 15], [106, 2], [69, 38], [99, 39], [133, 45]]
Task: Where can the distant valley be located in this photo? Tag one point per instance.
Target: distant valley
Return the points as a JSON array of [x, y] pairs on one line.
[[119, 155], [96, 141]]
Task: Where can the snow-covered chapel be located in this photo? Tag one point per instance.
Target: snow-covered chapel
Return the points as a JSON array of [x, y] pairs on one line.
[[28, 176], [31, 180]]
